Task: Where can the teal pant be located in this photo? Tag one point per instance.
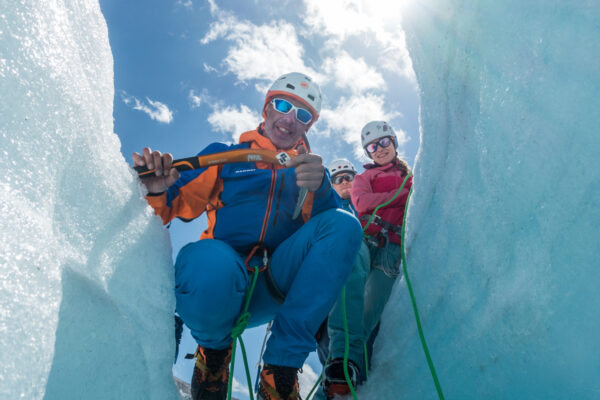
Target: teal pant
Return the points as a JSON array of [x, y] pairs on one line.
[[367, 291]]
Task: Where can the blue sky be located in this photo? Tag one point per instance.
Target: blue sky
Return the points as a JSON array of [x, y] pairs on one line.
[[188, 73]]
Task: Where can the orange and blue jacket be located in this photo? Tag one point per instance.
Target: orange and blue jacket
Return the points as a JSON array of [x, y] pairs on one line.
[[246, 203]]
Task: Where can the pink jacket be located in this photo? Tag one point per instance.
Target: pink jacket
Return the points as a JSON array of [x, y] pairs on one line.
[[375, 186]]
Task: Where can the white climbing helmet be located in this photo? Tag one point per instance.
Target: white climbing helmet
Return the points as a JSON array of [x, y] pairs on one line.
[[340, 165], [375, 130], [300, 87]]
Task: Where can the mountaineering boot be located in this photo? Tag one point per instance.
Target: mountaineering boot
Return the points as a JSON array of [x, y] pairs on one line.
[[334, 382], [211, 373], [278, 383]]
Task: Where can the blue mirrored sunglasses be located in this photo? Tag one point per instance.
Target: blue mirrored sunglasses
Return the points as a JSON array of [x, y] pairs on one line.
[[284, 107], [383, 142]]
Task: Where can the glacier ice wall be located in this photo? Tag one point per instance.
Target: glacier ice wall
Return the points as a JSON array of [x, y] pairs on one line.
[[503, 227], [85, 268]]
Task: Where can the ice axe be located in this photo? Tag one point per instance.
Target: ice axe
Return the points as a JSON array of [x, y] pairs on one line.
[[228, 157]]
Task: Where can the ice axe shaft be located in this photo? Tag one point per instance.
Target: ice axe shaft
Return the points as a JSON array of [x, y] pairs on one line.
[[225, 157]]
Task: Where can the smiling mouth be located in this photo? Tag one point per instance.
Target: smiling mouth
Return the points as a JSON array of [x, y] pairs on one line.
[[284, 130]]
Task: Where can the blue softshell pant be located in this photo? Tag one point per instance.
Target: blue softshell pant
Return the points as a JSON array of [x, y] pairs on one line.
[[310, 267]]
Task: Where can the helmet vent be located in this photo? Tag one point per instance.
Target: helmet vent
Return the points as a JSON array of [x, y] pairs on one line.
[[310, 96], [290, 86]]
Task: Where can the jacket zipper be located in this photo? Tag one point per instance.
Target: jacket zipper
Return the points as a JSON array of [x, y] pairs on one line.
[[278, 201], [263, 231]]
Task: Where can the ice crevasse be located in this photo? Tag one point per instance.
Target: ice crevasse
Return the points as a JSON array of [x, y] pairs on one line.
[[502, 229]]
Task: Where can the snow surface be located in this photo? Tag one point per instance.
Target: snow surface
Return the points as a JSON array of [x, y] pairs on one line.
[[504, 222], [86, 286], [503, 225]]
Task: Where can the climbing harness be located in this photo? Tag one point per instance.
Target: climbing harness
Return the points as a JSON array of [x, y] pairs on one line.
[[274, 290], [381, 239]]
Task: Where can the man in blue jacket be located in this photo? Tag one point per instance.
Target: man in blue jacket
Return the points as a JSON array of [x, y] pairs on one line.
[[250, 207]]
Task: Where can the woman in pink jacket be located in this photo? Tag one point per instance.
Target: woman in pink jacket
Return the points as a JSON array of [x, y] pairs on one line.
[[378, 263], [377, 185]]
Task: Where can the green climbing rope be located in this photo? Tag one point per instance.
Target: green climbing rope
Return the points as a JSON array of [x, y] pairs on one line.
[[438, 387], [236, 334], [347, 345], [242, 321], [436, 381], [388, 202]]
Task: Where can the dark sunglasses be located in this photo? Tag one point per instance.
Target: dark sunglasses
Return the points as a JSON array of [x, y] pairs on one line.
[[284, 107], [383, 142], [341, 178]]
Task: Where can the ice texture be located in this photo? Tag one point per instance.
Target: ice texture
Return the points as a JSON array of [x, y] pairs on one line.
[[86, 285], [503, 227], [504, 223]]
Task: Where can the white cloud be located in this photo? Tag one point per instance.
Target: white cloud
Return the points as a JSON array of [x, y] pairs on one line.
[[196, 100], [213, 7], [239, 388], [209, 68], [306, 380], [185, 3], [353, 73], [234, 121], [377, 21], [338, 18], [154, 109], [258, 52], [352, 113]]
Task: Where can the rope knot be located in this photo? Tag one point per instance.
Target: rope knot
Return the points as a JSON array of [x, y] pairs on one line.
[[240, 325]]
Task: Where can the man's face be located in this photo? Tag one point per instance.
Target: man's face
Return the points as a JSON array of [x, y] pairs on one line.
[[343, 188], [284, 130]]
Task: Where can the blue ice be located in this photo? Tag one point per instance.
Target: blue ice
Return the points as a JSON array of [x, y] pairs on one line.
[[502, 229], [504, 223]]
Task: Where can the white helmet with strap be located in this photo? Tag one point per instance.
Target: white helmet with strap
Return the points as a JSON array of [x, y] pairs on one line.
[[298, 86], [376, 130], [341, 165]]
